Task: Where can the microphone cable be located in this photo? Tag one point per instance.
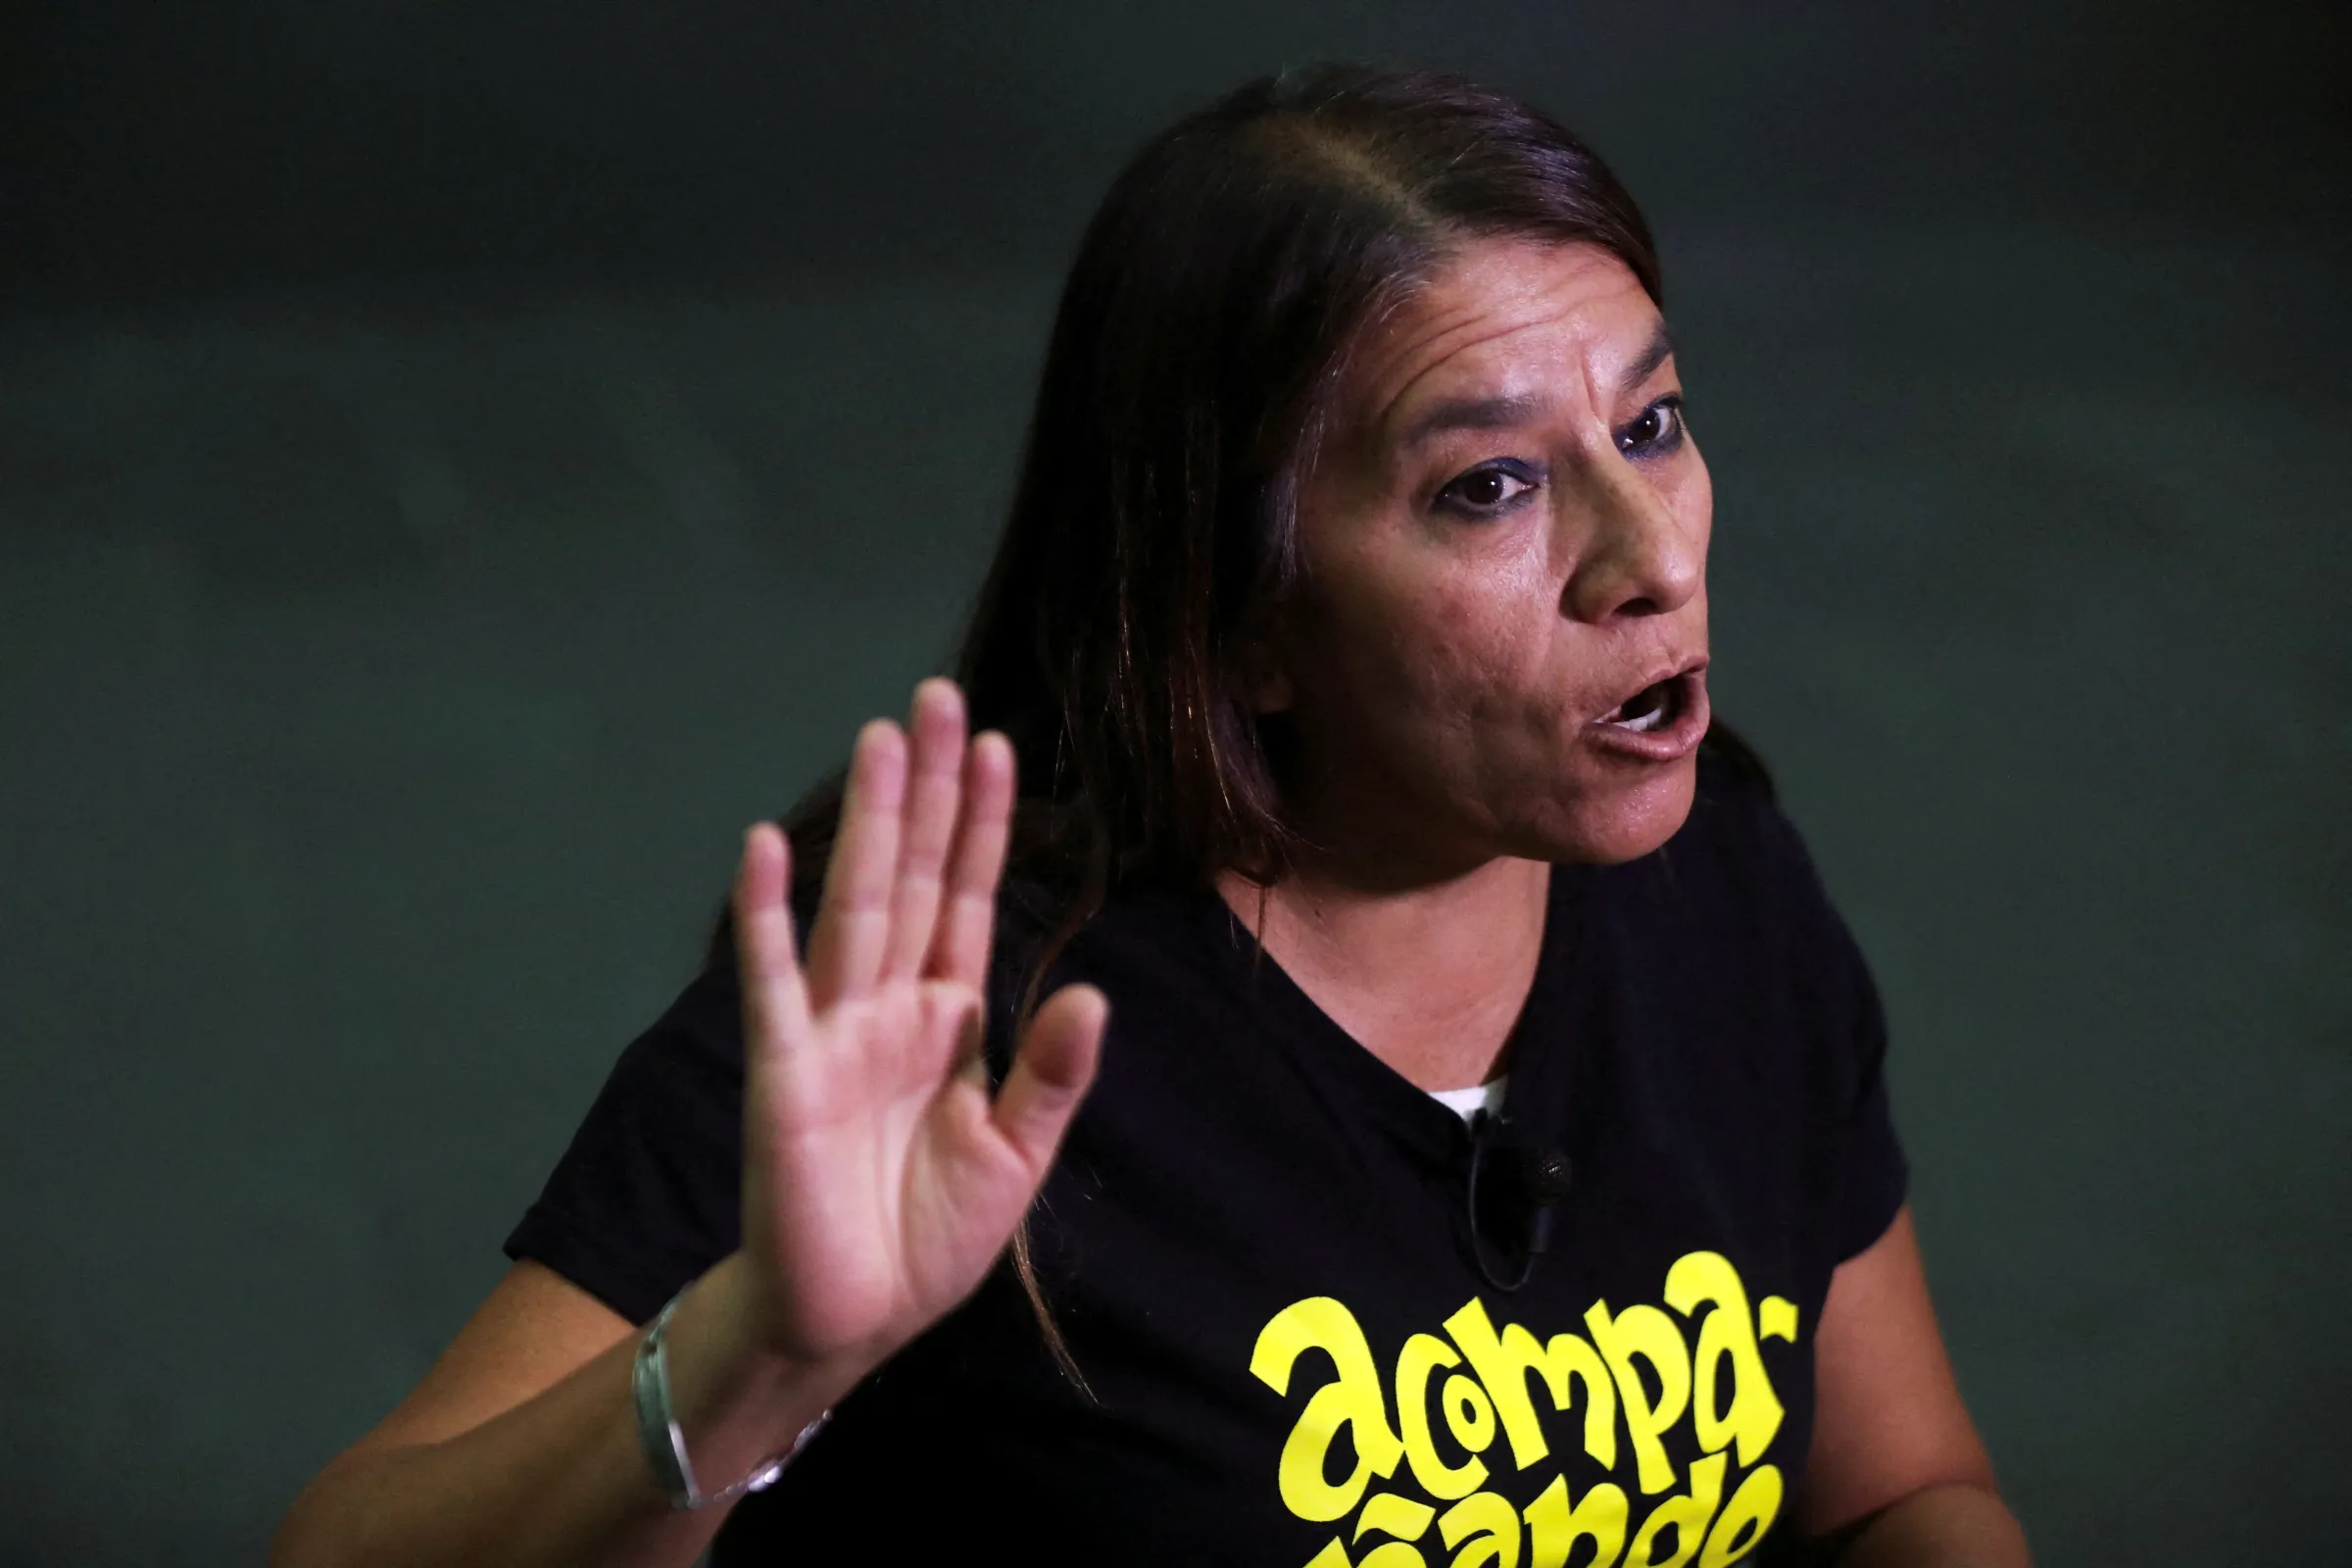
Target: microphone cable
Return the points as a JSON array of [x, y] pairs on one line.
[[1534, 1181]]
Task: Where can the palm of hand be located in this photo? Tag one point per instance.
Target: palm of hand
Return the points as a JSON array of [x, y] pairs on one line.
[[881, 1178]]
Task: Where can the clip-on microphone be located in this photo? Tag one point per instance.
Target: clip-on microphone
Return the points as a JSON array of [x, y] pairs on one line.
[[1513, 1190]]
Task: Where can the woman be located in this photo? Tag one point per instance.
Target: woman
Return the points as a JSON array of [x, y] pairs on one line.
[[1448, 1116]]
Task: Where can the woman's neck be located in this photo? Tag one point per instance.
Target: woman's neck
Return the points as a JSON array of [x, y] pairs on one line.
[[1428, 978]]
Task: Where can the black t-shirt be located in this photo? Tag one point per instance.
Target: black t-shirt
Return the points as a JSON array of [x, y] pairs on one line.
[[1258, 1241]]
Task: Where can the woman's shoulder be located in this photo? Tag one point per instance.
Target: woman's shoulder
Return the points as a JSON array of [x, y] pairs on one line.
[[1736, 819], [1737, 865], [1147, 933]]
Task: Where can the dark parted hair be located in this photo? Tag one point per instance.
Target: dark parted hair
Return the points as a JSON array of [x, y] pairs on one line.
[[1191, 372]]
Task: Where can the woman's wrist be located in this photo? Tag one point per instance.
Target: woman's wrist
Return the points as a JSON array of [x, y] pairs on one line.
[[737, 1403]]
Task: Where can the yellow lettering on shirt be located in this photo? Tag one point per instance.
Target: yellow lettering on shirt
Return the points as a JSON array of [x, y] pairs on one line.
[[1424, 1353], [1690, 1370], [1643, 1334], [1503, 1361], [1554, 1525], [1724, 1336], [1352, 1401]]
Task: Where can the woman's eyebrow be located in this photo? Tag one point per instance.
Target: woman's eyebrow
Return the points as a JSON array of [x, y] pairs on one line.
[[1500, 413], [1468, 414], [1660, 349]]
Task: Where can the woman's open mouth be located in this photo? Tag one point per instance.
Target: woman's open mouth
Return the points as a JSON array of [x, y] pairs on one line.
[[1661, 722], [1646, 708]]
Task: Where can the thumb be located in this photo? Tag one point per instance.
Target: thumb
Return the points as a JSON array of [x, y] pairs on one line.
[[1051, 1074]]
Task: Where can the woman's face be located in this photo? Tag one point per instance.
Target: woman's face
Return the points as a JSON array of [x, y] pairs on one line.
[[1499, 646]]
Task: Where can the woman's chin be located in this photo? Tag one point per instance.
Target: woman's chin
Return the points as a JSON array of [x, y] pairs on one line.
[[1624, 819]]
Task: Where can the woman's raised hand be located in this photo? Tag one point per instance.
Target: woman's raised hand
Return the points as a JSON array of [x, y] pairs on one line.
[[880, 1178]]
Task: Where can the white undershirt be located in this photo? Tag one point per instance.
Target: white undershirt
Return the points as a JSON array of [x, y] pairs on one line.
[[1487, 1096]]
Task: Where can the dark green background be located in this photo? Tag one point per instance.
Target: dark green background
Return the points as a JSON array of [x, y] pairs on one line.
[[460, 463]]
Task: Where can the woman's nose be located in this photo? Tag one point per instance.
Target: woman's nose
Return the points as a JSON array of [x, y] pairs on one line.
[[1637, 555]]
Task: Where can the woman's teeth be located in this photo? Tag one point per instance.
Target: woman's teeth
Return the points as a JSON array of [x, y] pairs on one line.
[[1642, 712]]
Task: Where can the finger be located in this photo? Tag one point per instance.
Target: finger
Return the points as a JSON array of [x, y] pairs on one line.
[[775, 999], [967, 919], [1051, 1074], [853, 916], [934, 791]]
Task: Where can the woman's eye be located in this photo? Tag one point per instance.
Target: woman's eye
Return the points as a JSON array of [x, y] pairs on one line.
[[1482, 492], [1659, 428]]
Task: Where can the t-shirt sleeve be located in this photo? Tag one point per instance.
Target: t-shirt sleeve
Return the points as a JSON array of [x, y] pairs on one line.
[[1863, 1173], [1874, 1176], [648, 1196]]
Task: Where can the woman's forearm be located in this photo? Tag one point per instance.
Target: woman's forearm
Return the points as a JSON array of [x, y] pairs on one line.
[[1955, 1525], [561, 1478]]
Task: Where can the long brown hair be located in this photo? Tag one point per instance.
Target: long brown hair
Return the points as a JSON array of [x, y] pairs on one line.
[[1189, 379]]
